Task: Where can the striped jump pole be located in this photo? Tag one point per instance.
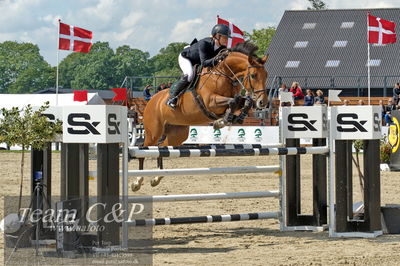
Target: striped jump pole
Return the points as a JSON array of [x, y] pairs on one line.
[[211, 196], [204, 219], [145, 153], [201, 171], [212, 146]]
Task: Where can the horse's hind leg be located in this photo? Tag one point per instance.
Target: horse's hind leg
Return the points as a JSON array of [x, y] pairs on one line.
[[137, 184], [175, 136], [154, 132]]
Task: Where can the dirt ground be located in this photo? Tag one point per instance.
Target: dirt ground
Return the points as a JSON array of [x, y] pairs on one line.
[[256, 242]]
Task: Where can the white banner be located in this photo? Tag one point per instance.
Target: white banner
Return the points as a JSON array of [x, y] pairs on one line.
[[304, 122], [356, 122], [95, 124], [233, 135]]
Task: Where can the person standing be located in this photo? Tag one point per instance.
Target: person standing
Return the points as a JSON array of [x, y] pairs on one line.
[[396, 93], [146, 93]]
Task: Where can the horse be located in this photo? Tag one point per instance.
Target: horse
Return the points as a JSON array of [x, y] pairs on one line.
[[216, 98]]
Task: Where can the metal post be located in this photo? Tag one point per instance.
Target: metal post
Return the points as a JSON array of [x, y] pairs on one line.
[[319, 185], [108, 191], [372, 191]]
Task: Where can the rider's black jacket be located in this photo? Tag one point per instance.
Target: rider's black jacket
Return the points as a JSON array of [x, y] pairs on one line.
[[202, 52]]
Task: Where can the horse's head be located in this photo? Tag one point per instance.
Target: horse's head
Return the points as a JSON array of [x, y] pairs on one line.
[[255, 80], [250, 70]]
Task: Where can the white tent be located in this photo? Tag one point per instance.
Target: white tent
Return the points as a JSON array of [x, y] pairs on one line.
[[67, 99]]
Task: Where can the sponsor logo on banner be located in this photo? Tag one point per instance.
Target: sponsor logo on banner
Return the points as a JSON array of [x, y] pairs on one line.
[[79, 127], [241, 135], [349, 122], [193, 134], [394, 131], [217, 135], [258, 135], [300, 122], [113, 124]]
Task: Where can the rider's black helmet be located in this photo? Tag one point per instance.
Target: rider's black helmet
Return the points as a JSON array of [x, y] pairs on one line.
[[221, 29]]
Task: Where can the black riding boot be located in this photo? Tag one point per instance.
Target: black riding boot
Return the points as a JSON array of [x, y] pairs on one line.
[[175, 90]]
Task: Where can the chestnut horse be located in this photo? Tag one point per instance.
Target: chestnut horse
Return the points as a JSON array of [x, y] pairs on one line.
[[220, 90]]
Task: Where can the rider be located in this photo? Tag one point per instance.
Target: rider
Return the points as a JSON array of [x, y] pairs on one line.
[[202, 52]]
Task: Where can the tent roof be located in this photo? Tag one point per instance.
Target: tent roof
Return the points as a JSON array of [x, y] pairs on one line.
[[20, 100]]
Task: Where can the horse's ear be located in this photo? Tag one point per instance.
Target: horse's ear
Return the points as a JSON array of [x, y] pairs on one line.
[[264, 59]]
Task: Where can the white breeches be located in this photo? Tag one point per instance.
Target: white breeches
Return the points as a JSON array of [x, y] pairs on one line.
[[186, 67]]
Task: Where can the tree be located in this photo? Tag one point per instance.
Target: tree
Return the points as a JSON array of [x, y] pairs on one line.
[[132, 62], [94, 70], [23, 69], [166, 61], [317, 5], [27, 128], [261, 38]]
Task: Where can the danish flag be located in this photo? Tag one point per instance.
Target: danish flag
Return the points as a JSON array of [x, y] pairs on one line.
[[237, 34], [74, 39], [380, 31]]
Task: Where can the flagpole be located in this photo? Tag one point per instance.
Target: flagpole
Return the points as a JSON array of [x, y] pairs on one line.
[[368, 62], [58, 52]]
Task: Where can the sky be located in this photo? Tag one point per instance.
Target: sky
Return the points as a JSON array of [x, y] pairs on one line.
[[148, 25]]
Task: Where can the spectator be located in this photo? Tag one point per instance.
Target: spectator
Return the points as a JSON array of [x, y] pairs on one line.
[[309, 98], [283, 88], [169, 85], [388, 112], [320, 98], [297, 92], [361, 102], [383, 109], [346, 102], [146, 93], [396, 93], [161, 87]]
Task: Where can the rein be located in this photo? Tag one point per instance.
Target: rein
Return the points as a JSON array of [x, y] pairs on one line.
[[234, 80]]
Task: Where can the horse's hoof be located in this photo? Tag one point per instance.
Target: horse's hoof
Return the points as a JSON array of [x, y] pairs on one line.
[[136, 185], [156, 180], [218, 124]]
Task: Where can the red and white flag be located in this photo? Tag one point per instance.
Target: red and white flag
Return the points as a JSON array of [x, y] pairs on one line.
[[237, 34], [74, 39], [80, 96], [381, 31]]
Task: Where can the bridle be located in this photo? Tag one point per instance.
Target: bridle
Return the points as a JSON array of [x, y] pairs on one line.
[[235, 80]]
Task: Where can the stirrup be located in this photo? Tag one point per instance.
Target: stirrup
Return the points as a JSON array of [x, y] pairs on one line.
[[171, 103]]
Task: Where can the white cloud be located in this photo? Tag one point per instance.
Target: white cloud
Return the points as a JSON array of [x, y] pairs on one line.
[[362, 4], [263, 25], [207, 4], [185, 31], [132, 19], [53, 19], [299, 5]]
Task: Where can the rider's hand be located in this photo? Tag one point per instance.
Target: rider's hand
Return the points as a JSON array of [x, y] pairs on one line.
[[219, 58]]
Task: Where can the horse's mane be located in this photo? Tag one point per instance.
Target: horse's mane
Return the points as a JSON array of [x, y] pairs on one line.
[[246, 48]]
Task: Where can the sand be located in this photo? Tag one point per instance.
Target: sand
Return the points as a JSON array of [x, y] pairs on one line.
[[236, 243]]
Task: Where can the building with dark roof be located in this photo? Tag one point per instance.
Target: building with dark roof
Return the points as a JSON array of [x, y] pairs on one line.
[[328, 49]]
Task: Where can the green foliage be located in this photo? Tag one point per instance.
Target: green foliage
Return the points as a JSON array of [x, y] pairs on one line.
[[261, 38], [23, 69], [358, 145], [385, 151], [27, 128], [167, 58], [94, 70], [317, 5]]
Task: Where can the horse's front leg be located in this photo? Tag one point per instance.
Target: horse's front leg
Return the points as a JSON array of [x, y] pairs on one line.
[[233, 105], [248, 104]]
